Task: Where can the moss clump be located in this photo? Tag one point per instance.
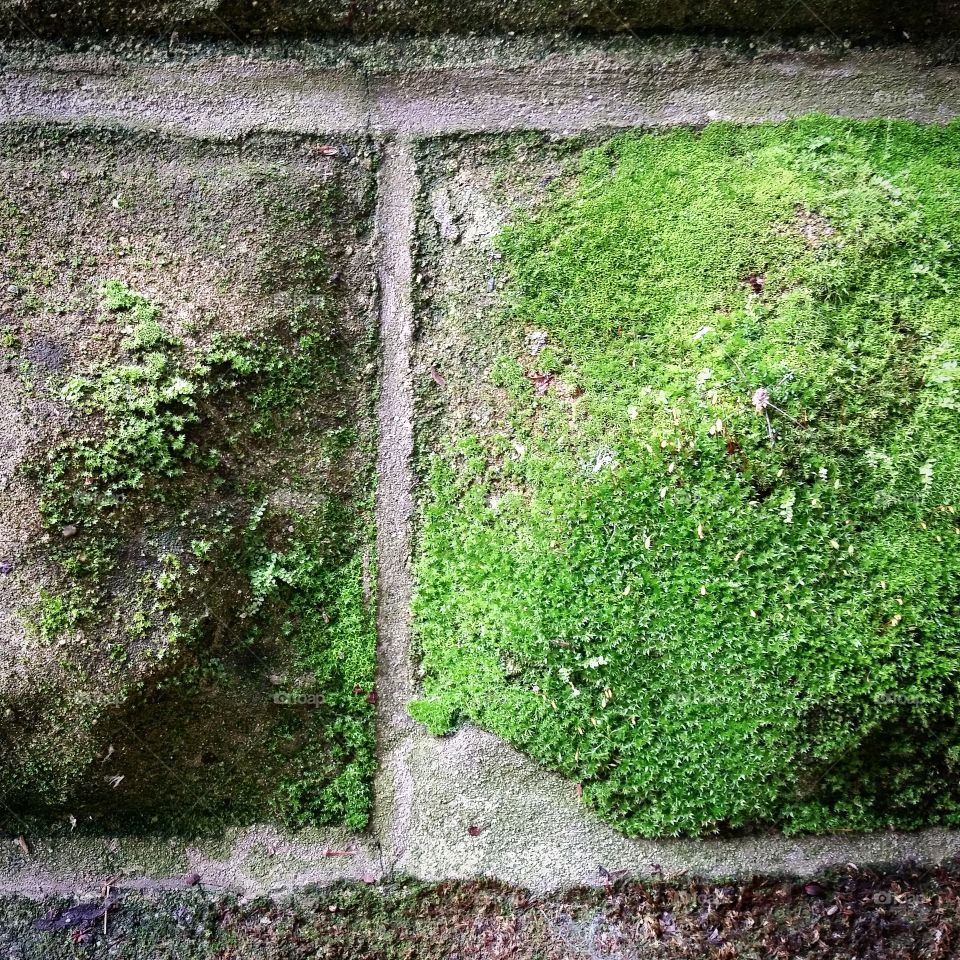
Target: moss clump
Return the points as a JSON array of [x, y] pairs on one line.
[[138, 413], [708, 563], [313, 592], [141, 451]]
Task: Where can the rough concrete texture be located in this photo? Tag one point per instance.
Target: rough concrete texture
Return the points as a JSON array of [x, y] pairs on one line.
[[455, 87], [395, 683], [529, 825], [229, 19], [259, 859], [533, 831]]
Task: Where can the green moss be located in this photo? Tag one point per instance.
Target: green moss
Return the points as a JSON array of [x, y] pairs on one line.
[[313, 591], [708, 563], [56, 613], [139, 412], [140, 423], [145, 426], [9, 341]]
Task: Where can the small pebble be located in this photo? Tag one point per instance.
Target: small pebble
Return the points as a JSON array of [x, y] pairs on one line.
[[68, 531]]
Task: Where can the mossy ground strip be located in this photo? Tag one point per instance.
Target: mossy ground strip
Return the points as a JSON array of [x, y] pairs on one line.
[[897, 914]]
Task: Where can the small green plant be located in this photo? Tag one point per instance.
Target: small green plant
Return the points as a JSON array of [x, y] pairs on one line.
[[54, 614], [708, 564], [9, 340], [201, 548]]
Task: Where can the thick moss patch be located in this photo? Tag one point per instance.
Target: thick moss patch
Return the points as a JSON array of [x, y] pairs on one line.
[[707, 553]]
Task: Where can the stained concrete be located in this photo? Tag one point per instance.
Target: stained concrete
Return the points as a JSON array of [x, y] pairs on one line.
[[212, 238]]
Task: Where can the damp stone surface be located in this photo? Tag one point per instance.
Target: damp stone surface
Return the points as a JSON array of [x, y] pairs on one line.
[[188, 624]]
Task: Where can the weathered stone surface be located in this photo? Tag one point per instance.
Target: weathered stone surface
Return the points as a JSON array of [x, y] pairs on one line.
[[430, 791], [113, 602]]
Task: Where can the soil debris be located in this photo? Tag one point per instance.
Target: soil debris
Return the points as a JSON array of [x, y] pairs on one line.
[[897, 914]]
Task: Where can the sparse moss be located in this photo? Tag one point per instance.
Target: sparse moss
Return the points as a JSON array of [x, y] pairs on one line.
[[57, 612], [155, 429], [235, 274]]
